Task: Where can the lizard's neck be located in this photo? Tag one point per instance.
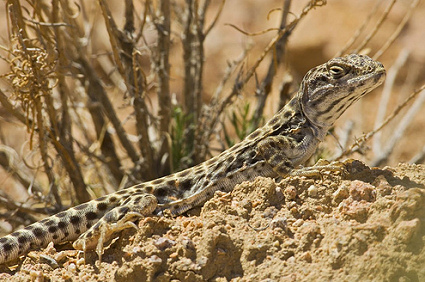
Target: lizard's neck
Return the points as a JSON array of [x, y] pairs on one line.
[[291, 118]]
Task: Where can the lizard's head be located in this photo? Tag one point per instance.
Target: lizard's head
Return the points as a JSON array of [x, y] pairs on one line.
[[329, 89]]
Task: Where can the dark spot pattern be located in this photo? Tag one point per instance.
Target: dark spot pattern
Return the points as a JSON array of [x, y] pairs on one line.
[[61, 214], [243, 151], [276, 126], [7, 247], [331, 106], [123, 210], [38, 232], [137, 200], [183, 173], [102, 206], [272, 144], [137, 193], [44, 221], [341, 107], [160, 192], [22, 239], [287, 114], [75, 220], [274, 120], [185, 184], [109, 217], [328, 118], [81, 207], [255, 134], [231, 167], [219, 175], [126, 201], [282, 170], [112, 199], [237, 164], [266, 155], [62, 224], [122, 192], [52, 229], [278, 158], [49, 222], [157, 181], [252, 155], [199, 170], [91, 215]]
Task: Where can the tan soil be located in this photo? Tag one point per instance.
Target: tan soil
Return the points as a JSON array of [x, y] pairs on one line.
[[362, 224]]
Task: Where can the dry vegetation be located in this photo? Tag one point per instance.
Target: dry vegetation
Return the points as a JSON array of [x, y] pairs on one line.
[[100, 95]]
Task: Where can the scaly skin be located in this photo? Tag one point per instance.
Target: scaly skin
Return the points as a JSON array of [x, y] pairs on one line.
[[276, 149]]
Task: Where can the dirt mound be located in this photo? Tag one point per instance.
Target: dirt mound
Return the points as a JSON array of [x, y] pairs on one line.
[[360, 224]]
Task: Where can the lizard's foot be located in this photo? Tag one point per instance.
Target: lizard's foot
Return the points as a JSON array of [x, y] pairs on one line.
[[115, 220], [318, 168]]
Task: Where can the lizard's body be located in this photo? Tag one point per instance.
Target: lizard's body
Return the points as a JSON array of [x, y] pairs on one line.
[[274, 150]]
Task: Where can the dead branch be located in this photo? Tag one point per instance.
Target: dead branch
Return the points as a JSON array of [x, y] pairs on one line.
[[399, 131], [376, 28], [360, 142], [359, 31], [265, 87], [161, 62], [11, 162], [386, 94], [399, 28], [241, 80]]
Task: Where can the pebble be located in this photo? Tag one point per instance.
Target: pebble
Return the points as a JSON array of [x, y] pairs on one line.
[[290, 193], [163, 243], [298, 222], [313, 191], [279, 222]]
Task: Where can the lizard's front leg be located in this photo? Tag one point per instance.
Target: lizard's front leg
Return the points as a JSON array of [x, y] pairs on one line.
[[117, 219], [284, 154], [276, 151]]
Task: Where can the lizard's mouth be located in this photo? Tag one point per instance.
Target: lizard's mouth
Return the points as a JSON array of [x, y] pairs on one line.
[[381, 73], [370, 80]]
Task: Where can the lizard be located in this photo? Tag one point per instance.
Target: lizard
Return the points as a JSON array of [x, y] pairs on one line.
[[277, 149]]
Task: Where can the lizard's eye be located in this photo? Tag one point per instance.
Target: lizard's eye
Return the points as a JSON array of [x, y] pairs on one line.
[[337, 71]]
